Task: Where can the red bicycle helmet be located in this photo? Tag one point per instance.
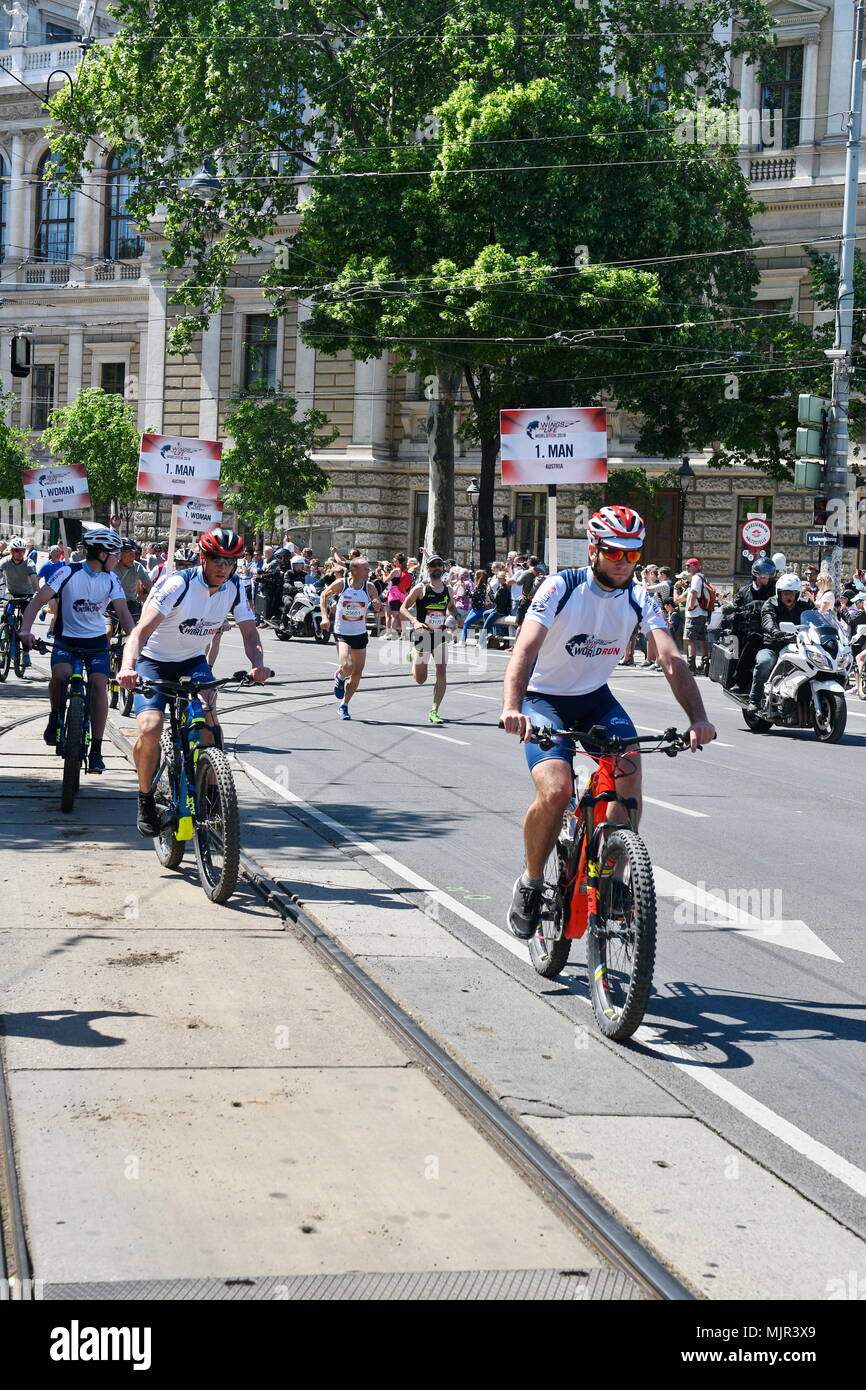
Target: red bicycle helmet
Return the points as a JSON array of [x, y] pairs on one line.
[[222, 543], [617, 525]]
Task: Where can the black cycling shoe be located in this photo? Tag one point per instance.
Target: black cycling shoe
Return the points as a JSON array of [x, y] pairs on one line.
[[148, 818], [524, 913], [96, 762], [50, 731]]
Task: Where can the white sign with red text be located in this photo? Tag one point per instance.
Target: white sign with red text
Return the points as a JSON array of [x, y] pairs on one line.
[[180, 467], [553, 446], [193, 514], [62, 489], [756, 533]]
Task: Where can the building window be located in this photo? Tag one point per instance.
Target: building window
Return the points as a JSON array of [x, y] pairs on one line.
[[531, 517], [122, 240], [55, 218], [260, 353], [41, 397], [782, 78], [746, 507], [112, 377], [58, 33], [658, 91], [419, 521]]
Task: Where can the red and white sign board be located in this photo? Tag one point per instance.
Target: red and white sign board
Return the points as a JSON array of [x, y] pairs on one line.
[[756, 533], [193, 514], [180, 467], [553, 446], [62, 489]]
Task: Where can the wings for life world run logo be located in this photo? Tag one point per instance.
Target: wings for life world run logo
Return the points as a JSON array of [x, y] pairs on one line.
[[584, 644], [86, 605], [548, 428], [197, 627]]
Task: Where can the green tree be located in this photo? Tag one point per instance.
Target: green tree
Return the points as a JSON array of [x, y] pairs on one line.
[[269, 469], [14, 451], [98, 430]]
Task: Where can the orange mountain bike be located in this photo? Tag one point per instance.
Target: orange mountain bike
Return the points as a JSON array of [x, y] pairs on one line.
[[598, 882]]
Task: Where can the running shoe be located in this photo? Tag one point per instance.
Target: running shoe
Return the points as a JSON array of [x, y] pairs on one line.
[[344, 711], [524, 913], [434, 717], [339, 685]]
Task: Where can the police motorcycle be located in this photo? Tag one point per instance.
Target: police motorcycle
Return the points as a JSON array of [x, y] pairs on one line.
[[301, 613], [806, 685]]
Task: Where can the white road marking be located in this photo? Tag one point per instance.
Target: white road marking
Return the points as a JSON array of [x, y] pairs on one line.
[[475, 695], [761, 1115], [410, 728], [790, 1134], [683, 810], [794, 934], [651, 729], [854, 714]]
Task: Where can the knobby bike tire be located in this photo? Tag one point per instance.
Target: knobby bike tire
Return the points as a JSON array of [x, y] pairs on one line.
[[73, 752], [20, 668], [126, 702], [169, 850], [5, 652], [620, 956], [217, 831], [548, 948]]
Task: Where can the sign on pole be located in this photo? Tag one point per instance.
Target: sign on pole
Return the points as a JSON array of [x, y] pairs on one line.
[[183, 468], [756, 533], [195, 515], [61, 489], [549, 447]]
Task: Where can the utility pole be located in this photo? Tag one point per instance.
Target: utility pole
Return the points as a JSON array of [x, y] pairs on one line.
[[836, 469]]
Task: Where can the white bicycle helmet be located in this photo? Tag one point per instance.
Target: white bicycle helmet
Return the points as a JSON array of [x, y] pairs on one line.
[[789, 583], [617, 525], [102, 538]]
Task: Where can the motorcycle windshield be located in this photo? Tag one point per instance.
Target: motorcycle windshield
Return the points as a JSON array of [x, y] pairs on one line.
[[819, 627]]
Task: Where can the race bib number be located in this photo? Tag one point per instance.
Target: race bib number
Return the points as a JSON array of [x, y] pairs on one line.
[[352, 612], [435, 620]]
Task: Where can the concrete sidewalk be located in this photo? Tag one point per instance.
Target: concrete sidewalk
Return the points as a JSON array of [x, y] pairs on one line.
[[195, 1097]]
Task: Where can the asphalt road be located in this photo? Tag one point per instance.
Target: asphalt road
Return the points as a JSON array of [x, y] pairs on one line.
[[755, 1024]]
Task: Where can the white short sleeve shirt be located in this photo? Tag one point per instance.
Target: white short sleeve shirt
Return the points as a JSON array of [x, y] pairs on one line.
[[192, 615]]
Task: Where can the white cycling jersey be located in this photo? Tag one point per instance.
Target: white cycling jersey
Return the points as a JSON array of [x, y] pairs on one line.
[[192, 614], [83, 600], [588, 631]]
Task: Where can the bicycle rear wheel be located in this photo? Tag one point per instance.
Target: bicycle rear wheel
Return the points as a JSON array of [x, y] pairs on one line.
[[620, 951], [5, 652], [217, 828], [73, 752], [169, 850], [20, 667], [113, 687], [548, 949]]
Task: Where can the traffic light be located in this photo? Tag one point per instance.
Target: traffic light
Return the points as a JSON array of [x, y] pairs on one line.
[[20, 364], [819, 511], [812, 418]]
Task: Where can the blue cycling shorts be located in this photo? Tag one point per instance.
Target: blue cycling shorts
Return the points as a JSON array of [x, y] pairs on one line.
[[584, 711], [194, 666], [93, 651]]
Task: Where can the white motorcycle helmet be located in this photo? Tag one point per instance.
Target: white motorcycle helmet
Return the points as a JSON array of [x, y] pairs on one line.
[[789, 583], [780, 562]]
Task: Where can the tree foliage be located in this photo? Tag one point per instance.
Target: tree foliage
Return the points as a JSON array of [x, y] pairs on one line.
[[14, 451], [98, 430], [269, 468]]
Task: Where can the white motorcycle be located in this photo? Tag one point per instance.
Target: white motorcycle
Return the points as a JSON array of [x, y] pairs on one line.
[[806, 687]]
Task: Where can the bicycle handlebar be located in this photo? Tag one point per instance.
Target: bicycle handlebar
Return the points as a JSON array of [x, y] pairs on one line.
[[670, 742], [190, 687]]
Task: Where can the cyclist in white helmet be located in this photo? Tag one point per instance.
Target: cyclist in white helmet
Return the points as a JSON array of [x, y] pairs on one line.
[[576, 631], [83, 592]]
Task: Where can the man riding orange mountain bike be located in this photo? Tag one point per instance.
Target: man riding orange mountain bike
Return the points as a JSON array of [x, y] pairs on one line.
[[576, 631]]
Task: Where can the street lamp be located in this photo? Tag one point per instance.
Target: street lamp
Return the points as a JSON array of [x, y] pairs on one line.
[[684, 475], [472, 494]]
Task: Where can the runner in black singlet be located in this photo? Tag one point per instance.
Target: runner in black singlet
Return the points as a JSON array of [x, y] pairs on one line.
[[432, 603]]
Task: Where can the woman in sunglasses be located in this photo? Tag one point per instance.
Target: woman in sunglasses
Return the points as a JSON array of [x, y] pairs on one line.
[[576, 631]]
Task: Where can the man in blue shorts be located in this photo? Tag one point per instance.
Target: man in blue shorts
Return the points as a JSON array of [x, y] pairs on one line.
[[82, 592], [183, 614], [576, 631]]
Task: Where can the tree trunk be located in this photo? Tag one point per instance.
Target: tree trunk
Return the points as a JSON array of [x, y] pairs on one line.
[[442, 393], [486, 484]]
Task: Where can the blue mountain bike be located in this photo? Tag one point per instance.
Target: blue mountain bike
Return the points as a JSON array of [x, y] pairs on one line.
[[11, 651]]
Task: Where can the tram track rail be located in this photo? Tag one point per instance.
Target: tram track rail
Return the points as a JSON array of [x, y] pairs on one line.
[[559, 1188]]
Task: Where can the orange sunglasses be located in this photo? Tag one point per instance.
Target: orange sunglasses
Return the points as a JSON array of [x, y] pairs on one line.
[[613, 552]]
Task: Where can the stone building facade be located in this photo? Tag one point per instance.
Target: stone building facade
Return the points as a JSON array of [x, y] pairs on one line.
[[92, 295]]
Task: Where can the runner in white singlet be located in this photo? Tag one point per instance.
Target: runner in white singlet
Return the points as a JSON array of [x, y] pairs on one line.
[[353, 596]]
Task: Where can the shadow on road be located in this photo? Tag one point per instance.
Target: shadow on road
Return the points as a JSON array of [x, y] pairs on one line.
[[65, 1027]]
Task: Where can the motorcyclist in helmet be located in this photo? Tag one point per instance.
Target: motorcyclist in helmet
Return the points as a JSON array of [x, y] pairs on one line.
[[786, 606], [746, 618]]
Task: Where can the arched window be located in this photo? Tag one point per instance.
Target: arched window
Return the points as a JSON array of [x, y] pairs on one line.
[[122, 240], [2, 208], [55, 218]]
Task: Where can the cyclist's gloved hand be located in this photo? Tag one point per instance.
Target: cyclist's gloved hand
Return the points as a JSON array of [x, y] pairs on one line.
[[702, 731], [513, 722]]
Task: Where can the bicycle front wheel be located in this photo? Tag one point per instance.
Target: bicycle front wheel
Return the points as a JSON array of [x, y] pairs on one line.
[[73, 752], [548, 949], [621, 948], [217, 828], [5, 652], [20, 666]]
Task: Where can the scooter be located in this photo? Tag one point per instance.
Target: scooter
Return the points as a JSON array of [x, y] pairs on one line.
[[301, 616], [806, 687]]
